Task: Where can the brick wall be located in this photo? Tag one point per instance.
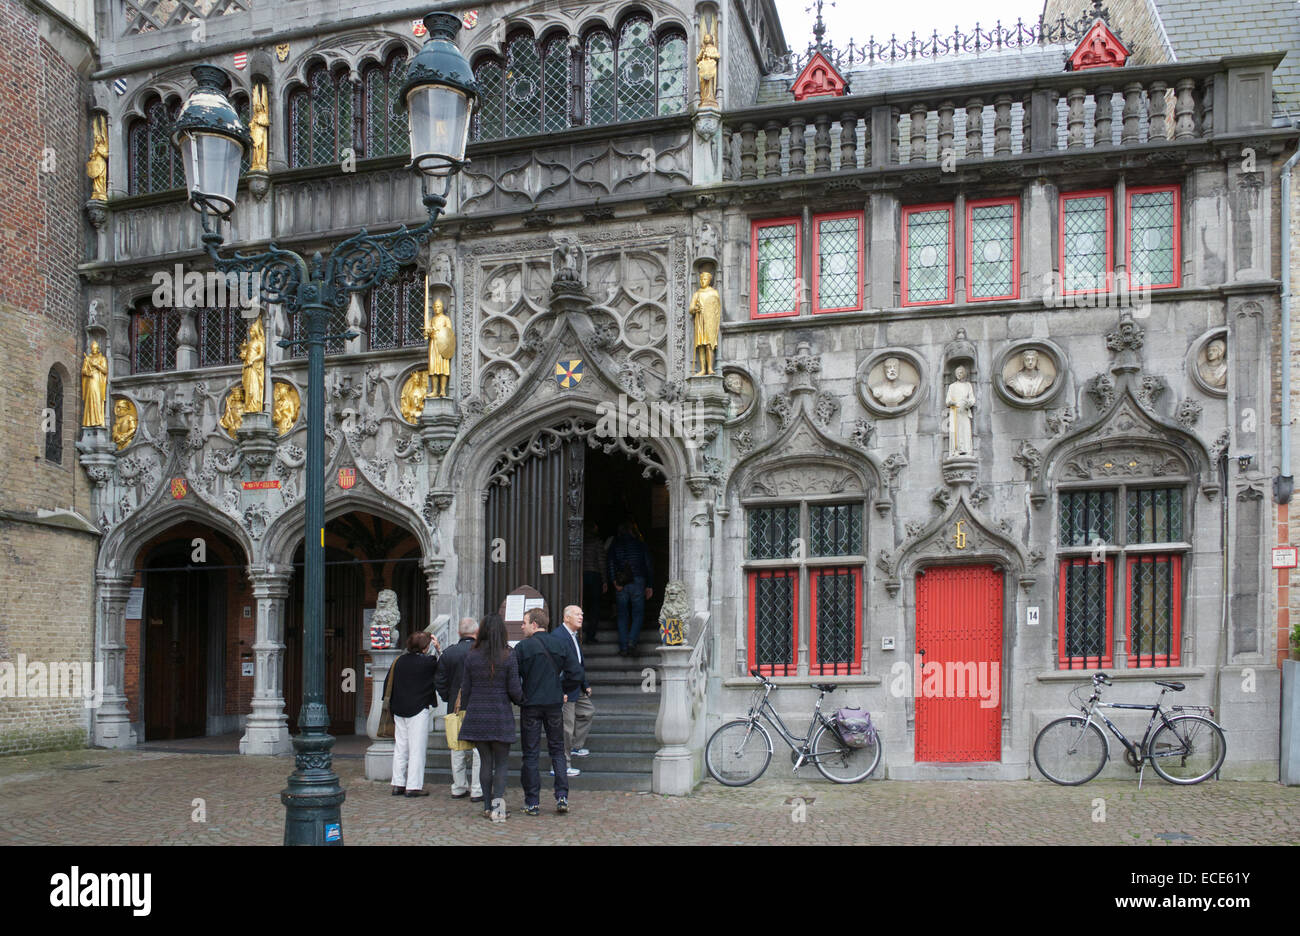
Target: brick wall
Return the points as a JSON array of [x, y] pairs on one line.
[[47, 604]]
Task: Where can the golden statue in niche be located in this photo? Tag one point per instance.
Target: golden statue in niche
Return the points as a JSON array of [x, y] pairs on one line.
[[259, 123], [706, 310], [233, 417], [413, 393], [125, 422], [285, 405], [253, 353], [94, 387], [706, 64], [442, 343], [97, 164]]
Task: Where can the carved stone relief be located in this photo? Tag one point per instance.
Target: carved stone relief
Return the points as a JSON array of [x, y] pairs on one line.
[[891, 382]]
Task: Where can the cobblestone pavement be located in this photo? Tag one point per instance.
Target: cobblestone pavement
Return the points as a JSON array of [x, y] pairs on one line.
[[147, 798]]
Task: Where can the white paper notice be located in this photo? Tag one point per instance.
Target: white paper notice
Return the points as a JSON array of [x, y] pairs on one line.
[[134, 604], [548, 565], [531, 603], [514, 607]]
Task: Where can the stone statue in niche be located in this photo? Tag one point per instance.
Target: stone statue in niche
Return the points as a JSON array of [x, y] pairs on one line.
[[567, 261], [442, 343], [441, 268], [706, 63], [961, 410], [706, 311], [94, 386], [707, 242], [1213, 365], [893, 381], [1030, 374]]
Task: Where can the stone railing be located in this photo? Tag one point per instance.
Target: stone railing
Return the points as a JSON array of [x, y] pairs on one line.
[[1094, 109], [680, 727]]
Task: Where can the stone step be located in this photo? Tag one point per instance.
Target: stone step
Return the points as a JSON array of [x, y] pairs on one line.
[[619, 763], [611, 742], [632, 781]]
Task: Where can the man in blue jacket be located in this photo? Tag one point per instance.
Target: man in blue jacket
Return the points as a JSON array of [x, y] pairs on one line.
[[546, 663]]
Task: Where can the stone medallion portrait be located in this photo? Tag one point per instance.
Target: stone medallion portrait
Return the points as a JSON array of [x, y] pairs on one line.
[[740, 393], [1028, 373], [1207, 362], [890, 382]]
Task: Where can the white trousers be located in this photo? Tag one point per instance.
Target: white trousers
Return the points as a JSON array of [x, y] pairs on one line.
[[462, 761], [410, 740]]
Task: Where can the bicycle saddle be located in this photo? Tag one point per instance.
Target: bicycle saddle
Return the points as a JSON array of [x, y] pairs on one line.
[[1175, 686], [824, 687]]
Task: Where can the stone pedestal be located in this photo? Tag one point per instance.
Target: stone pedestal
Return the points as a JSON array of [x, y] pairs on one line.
[[112, 721], [438, 424], [706, 152], [257, 442], [674, 765], [379, 756], [959, 469]]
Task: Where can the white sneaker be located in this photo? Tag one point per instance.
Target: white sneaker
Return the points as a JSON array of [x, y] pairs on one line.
[[574, 771], [579, 752]]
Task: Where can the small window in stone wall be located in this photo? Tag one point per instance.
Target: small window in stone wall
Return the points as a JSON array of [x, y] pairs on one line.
[[927, 276], [1153, 241], [1085, 247], [396, 312], [992, 249], [775, 260], [54, 407], [153, 163]]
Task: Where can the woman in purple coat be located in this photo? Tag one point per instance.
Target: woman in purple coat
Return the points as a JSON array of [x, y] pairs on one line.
[[490, 683]]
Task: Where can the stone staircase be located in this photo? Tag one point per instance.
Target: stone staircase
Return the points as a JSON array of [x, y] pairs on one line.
[[622, 739]]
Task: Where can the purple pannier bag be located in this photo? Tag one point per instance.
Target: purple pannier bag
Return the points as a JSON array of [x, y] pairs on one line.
[[855, 727]]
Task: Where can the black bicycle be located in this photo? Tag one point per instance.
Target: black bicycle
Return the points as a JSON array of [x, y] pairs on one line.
[[1186, 745], [740, 750]]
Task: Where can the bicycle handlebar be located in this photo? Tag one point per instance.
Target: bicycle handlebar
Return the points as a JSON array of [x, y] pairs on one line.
[[1102, 679]]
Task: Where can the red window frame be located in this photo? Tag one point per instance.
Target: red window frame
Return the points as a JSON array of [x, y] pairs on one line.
[[1107, 656], [852, 666], [817, 265], [1153, 660], [1110, 237], [1015, 245], [773, 669], [755, 227], [1178, 232], [908, 211]]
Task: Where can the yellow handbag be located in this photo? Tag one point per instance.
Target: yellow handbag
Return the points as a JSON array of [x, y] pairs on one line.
[[452, 722]]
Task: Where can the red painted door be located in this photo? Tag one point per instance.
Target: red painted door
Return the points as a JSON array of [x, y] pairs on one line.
[[957, 678]]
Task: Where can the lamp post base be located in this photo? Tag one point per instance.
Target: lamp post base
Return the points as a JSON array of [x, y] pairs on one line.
[[313, 800]]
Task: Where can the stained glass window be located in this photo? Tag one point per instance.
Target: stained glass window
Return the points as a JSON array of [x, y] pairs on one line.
[[927, 273], [1155, 515], [1086, 613], [671, 84], [772, 531], [54, 403], [599, 81], [636, 70], [992, 245], [488, 121], [773, 622], [154, 164], [835, 529], [1087, 517], [154, 338], [320, 119], [557, 85], [523, 86], [221, 332], [1152, 237], [1085, 242], [1153, 583], [839, 268], [396, 311], [385, 121], [776, 249], [836, 607]]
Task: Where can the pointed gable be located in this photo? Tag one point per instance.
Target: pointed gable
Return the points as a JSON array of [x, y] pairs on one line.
[[819, 79], [1099, 48]]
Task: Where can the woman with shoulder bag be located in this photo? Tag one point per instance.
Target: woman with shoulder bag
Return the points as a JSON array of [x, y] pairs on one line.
[[411, 697], [489, 686]]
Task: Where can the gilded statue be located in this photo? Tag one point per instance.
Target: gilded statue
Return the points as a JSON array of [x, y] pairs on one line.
[[97, 164], [285, 405], [253, 353], [125, 422], [259, 124], [413, 393], [442, 343], [94, 386], [706, 310], [233, 417], [706, 66]]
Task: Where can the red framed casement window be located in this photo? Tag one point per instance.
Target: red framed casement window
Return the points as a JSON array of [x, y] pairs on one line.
[[773, 597], [1154, 602], [837, 262], [1086, 616], [992, 249], [1153, 239], [1086, 235], [775, 259], [927, 276], [835, 635]]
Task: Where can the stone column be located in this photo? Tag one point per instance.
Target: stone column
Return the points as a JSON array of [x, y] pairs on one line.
[[112, 720], [267, 729], [379, 756], [674, 772]]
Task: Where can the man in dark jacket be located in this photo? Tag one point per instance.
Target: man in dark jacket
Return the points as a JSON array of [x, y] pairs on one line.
[[450, 671], [632, 573], [411, 697], [545, 663]]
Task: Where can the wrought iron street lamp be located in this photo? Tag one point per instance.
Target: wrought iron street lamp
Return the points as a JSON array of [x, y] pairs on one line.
[[439, 94]]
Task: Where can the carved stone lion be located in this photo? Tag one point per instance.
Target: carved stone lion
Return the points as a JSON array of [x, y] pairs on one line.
[[384, 633], [674, 615]]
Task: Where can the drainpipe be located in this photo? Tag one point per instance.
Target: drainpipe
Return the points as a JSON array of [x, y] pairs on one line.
[[1284, 483]]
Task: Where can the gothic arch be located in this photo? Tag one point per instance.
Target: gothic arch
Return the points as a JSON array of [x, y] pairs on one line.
[[282, 535], [118, 550]]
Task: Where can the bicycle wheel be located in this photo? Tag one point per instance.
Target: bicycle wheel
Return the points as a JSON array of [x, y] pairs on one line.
[[738, 752], [1070, 751], [1187, 749], [839, 762]]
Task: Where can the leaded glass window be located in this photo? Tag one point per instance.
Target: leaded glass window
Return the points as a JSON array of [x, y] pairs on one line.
[[154, 164], [1085, 242], [774, 594], [839, 266], [599, 81], [1155, 515], [221, 332], [672, 75], [992, 244], [396, 311], [153, 339], [320, 119], [523, 87], [636, 70], [1086, 609], [1153, 601], [241, 108], [489, 119], [1152, 237], [385, 122], [772, 531], [337, 327], [1087, 517], [835, 529], [776, 250], [835, 607], [927, 271], [557, 85], [54, 403]]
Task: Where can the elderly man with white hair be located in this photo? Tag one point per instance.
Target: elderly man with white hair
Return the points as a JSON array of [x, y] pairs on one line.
[[448, 686]]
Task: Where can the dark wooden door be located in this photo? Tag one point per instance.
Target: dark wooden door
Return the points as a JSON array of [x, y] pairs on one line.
[[344, 617], [537, 513], [175, 665]]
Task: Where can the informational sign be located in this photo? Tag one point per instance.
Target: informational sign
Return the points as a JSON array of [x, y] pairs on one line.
[[248, 611], [548, 565], [1284, 557], [135, 604], [270, 485], [1031, 616], [530, 603], [246, 668], [517, 602], [514, 608]]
